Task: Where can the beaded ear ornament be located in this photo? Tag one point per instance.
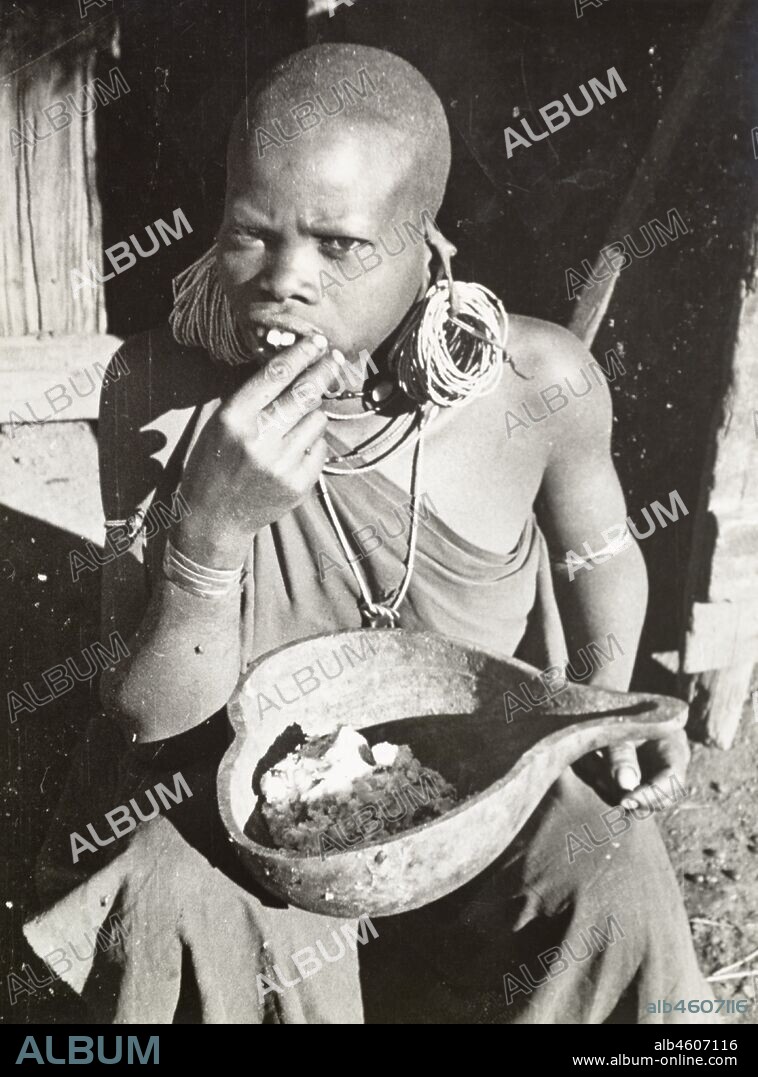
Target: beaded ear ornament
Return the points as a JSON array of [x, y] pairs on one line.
[[449, 350], [452, 346], [202, 317], [452, 349]]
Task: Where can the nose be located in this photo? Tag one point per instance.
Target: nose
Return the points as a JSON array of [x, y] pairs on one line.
[[289, 274]]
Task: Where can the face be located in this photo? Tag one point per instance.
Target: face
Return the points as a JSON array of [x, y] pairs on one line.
[[309, 237]]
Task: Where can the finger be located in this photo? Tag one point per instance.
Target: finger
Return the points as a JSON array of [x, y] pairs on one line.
[[324, 377], [313, 462], [672, 750], [624, 767], [267, 384], [651, 794], [305, 394], [643, 797], [304, 434], [282, 415]]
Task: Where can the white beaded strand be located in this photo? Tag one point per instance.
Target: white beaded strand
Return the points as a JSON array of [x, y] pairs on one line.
[[202, 317], [448, 359]]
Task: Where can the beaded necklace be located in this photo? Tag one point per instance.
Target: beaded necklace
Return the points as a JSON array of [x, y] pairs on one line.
[[450, 349]]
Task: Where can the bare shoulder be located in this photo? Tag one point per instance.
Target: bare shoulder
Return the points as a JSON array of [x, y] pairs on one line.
[[555, 376], [544, 350]]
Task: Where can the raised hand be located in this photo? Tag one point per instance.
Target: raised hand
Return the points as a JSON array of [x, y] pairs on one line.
[[259, 454]]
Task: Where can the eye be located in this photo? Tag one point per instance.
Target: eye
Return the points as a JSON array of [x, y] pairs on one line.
[[238, 232], [339, 246]]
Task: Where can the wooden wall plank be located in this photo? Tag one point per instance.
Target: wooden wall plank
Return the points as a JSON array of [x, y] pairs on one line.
[[50, 212], [734, 568], [725, 693], [719, 631]]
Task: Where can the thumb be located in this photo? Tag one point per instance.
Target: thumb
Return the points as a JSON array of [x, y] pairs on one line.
[[625, 770]]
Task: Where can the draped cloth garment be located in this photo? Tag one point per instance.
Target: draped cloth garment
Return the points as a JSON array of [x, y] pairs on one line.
[[201, 943]]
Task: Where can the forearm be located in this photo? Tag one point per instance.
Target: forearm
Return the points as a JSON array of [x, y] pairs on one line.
[[183, 664], [603, 601], [241, 475]]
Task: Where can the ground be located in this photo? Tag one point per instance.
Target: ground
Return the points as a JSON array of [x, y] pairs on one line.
[[49, 505], [712, 838]]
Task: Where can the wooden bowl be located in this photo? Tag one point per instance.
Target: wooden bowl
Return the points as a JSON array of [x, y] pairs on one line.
[[445, 699]]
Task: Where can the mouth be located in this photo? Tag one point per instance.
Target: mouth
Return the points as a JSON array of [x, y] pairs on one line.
[[273, 332], [275, 338]]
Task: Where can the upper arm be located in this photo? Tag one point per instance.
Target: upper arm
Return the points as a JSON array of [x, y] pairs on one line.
[[580, 495], [127, 477]]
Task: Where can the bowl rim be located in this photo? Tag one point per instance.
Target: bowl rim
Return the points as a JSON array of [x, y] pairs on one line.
[[292, 857]]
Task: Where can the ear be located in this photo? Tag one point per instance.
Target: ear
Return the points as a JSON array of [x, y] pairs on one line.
[[442, 252], [440, 261]]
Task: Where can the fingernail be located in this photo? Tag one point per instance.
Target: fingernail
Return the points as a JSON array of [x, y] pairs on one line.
[[307, 392], [315, 345], [627, 777], [311, 347], [339, 358], [629, 803]]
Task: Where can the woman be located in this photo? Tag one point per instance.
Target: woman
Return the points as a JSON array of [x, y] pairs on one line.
[[290, 454]]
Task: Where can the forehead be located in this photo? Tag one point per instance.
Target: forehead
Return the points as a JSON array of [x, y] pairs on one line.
[[345, 171]]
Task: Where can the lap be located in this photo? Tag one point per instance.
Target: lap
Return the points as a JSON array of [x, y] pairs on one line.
[[576, 934], [195, 940], [608, 907]]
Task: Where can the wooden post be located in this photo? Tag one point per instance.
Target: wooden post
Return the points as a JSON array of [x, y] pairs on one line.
[[590, 307], [720, 644]]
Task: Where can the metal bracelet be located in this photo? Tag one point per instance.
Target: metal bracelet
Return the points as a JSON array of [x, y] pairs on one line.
[[197, 579]]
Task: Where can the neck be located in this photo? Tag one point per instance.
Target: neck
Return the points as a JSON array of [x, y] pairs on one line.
[[367, 385]]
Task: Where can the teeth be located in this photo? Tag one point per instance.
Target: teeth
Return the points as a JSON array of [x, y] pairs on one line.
[[277, 338]]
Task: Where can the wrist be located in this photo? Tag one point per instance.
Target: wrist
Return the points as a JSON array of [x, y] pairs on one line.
[[198, 579], [227, 551]]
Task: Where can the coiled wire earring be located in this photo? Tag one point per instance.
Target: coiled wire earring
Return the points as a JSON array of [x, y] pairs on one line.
[[452, 346]]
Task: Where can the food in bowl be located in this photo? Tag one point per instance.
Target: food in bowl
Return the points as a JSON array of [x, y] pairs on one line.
[[335, 792]]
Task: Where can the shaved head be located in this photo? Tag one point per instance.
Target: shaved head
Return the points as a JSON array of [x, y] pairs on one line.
[[362, 91], [337, 166]]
